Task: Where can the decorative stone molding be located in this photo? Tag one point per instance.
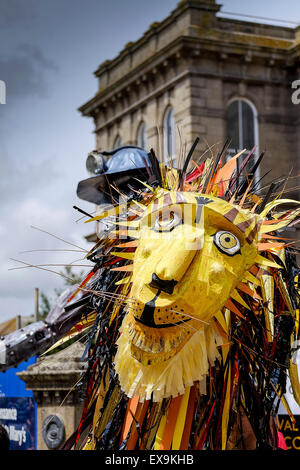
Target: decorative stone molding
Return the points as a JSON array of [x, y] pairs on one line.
[[205, 60], [53, 380]]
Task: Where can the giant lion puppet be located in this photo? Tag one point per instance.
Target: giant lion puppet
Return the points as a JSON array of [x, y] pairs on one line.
[[191, 310]]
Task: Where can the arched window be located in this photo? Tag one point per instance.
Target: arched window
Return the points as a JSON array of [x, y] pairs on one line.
[[169, 136], [142, 136], [118, 142], [242, 128]]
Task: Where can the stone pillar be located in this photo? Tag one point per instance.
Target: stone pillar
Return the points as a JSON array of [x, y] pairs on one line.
[[53, 381], [297, 31]]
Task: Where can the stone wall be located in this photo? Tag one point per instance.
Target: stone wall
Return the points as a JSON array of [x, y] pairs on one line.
[[197, 62], [53, 381]]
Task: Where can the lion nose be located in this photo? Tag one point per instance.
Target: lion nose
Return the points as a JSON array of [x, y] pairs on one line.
[[173, 264], [163, 284]]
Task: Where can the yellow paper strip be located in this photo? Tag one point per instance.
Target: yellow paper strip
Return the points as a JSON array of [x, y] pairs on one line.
[[250, 278], [266, 262], [225, 414], [113, 211], [123, 254], [160, 432], [236, 296], [181, 420], [123, 281]]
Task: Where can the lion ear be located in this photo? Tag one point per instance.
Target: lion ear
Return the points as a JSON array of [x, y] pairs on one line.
[[278, 202]]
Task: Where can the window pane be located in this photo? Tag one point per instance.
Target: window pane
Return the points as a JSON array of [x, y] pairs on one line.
[[169, 131], [233, 125], [169, 135], [142, 140], [241, 129], [248, 126]]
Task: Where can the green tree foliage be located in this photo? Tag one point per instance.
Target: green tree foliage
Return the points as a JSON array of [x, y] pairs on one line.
[[69, 279], [44, 306]]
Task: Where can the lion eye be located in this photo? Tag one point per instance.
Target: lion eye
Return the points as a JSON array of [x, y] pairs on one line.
[[227, 242], [166, 221]]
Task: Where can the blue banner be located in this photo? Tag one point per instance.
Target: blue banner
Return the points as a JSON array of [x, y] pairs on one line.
[[17, 415], [11, 385]]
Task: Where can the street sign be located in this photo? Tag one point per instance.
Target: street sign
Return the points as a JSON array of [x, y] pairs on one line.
[[17, 415]]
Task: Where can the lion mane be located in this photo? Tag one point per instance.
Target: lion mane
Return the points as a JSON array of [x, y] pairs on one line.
[[200, 314]]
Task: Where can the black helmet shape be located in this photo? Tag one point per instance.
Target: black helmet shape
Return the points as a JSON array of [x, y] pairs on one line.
[[125, 164]]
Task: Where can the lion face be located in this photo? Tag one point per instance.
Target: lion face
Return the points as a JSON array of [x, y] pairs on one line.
[[193, 251], [200, 265]]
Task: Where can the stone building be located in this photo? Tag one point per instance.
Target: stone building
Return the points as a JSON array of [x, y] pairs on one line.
[[198, 74], [53, 381]]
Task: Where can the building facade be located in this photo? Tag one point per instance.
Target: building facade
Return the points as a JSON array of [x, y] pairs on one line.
[[199, 74]]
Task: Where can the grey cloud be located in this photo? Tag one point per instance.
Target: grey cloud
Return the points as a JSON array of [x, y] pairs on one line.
[[14, 11], [17, 236], [24, 73], [36, 54], [16, 182]]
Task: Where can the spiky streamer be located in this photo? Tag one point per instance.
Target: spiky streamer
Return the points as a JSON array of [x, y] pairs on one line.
[[258, 324]]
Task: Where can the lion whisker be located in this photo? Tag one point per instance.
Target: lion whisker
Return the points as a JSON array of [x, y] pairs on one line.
[[58, 238], [185, 326], [109, 295], [190, 316], [49, 249]]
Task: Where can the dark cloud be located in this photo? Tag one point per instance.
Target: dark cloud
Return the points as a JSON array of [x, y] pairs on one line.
[[19, 182], [37, 55], [13, 12], [24, 72]]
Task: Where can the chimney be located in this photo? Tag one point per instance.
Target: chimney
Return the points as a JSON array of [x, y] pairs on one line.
[[202, 12], [36, 304]]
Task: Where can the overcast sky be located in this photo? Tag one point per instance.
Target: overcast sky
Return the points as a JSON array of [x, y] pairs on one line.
[[49, 50]]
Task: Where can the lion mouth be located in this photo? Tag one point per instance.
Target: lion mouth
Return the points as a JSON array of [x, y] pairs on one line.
[[158, 340], [151, 318], [162, 325]]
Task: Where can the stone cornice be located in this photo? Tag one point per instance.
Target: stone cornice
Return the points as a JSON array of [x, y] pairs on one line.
[[252, 42], [205, 46], [158, 27], [173, 81], [234, 47], [295, 53], [51, 381], [232, 22], [145, 99], [154, 29], [58, 371], [143, 68]]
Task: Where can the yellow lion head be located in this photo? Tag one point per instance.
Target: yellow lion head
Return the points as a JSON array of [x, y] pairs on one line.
[[194, 257], [187, 248]]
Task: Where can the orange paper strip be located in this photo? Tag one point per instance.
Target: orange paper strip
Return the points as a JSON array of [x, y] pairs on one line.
[[188, 421], [170, 425], [132, 244], [229, 304], [140, 415], [243, 287], [130, 412], [128, 267], [268, 246], [266, 235]]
